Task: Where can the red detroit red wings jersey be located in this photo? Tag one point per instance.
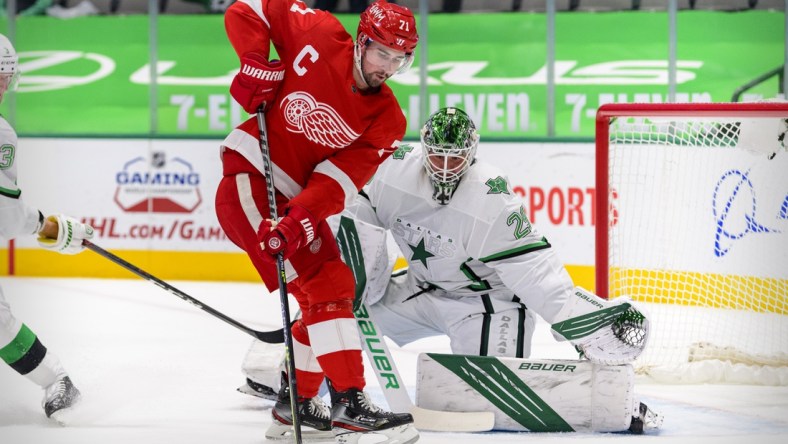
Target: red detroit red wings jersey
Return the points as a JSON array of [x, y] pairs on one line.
[[326, 137]]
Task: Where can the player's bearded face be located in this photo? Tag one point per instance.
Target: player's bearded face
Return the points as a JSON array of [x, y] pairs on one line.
[[378, 63], [5, 82]]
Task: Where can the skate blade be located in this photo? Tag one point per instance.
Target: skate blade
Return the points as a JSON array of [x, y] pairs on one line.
[[64, 417], [246, 390], [279, 432], [404, 434]]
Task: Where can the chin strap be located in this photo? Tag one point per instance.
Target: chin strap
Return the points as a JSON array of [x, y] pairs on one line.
[[357, 61]]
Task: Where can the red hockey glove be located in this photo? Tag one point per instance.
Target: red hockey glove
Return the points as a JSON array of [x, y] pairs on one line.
[[292, 232], [257, 82]]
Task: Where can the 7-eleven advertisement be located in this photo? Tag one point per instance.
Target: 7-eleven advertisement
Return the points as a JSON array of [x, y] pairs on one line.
[[492, 65]]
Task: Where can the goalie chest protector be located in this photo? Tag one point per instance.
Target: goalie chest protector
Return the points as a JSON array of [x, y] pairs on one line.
[[529, 395]]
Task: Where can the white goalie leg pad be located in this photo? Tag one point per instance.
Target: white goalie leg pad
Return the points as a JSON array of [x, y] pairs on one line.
[[263, 363], [606, 332], [530, 395]]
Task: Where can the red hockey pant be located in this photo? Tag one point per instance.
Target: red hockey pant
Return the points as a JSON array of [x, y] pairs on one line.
[[325, 339]]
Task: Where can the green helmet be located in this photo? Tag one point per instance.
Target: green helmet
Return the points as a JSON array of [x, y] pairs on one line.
[[449, 140]]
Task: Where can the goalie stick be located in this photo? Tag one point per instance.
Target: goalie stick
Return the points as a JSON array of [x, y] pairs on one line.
[[273, 337], [397, 395]]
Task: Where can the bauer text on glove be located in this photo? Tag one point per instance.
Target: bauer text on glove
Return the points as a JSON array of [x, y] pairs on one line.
[[69, 234], [292, 232], [257, 82]]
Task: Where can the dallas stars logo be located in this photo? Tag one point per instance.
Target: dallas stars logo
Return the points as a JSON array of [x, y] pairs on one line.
[[420, 253], [399, 154], [497, 186]]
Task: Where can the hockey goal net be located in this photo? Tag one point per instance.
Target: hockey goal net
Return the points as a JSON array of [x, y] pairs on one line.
[[692, 221]]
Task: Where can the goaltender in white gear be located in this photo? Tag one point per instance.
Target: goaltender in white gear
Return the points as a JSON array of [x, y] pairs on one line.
[[478, 271], [20, 348]]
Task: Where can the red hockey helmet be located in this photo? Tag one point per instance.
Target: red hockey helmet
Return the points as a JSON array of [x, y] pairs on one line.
[[390, 24]]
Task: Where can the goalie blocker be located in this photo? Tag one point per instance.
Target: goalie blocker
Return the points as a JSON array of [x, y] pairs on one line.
[[535, 395]]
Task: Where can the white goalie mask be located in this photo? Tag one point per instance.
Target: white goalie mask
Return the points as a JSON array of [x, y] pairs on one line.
[[9, 62], [449, 140]]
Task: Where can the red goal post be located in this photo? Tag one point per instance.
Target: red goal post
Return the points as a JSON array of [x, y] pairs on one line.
[[677, 227]]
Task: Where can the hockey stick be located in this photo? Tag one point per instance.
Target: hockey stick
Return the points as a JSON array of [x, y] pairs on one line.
[[272, 337], [281, 276], [380, 357]]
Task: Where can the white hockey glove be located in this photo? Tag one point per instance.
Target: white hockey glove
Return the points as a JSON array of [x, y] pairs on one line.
[[605, 332], [70, 233]]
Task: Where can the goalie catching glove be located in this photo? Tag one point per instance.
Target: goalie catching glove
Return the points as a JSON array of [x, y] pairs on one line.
[[257, 83], [605, 332], [292, 232], [70, 234]]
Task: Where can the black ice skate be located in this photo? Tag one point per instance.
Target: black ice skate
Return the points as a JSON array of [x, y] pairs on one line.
[[646, 419], [259, 390], [353, 415], [314, 414], [59, 396]]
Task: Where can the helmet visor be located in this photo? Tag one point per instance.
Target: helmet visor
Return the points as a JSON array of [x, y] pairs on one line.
[[388, 59]]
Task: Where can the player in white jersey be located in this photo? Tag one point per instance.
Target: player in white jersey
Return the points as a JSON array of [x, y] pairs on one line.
[[20, 348], [477, 269], [476, 266]]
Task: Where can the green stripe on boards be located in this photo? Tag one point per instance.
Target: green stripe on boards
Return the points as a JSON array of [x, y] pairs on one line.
[[504, 389], [19, 346]]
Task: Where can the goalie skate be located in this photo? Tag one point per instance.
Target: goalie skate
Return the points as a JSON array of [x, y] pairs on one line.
[[59, 397], [353, 416], [646, 419], [314, 414], [259, 390]]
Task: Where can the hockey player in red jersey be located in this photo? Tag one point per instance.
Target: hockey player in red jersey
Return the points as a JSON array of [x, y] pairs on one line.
[[331, 120]]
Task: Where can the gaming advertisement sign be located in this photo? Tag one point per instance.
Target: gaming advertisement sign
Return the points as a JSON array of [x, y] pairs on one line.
[[138, 195], [76, 84]]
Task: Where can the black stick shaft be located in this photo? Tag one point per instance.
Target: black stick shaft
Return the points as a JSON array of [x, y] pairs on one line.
[[281, 276], [273, 337]]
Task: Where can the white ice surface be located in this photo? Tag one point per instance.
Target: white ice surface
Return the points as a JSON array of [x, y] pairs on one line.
[[155, 369]]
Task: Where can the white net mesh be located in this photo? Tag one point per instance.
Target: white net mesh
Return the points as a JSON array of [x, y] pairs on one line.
[[699, 233]]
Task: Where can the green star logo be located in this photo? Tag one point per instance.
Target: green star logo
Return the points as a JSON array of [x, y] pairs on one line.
[[399, 154], [497, 186], [420, 253]]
